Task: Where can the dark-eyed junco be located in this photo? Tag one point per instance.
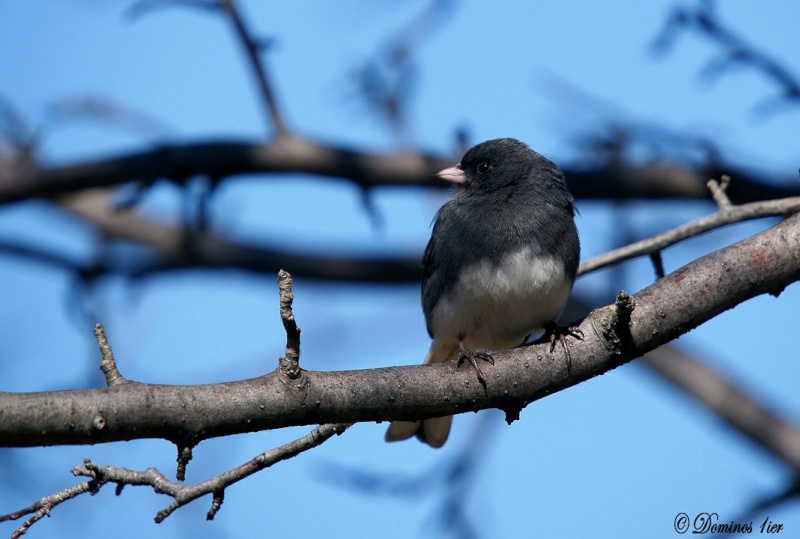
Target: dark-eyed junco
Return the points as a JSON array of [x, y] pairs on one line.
[[500, 263]]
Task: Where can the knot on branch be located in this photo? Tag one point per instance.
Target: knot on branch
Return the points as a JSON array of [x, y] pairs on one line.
[[615, 330], [99, 422]]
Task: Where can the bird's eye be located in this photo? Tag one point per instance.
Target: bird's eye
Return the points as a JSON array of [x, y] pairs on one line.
[[483, 168]]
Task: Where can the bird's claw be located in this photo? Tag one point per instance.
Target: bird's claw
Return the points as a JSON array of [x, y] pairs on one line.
[[555, 333], [473, 358]]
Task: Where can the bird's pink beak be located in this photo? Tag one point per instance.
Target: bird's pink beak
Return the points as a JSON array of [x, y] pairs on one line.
[[453, 174]]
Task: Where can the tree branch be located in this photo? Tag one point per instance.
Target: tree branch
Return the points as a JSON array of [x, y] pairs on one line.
[[221, 159], [182, 494], [210, 250], [42, 508], [253, 53], [726, 215], [684, 299], [288, 154], [175, 250]]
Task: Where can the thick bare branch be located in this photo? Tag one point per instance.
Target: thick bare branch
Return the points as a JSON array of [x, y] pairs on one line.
[[221, 159], [684, 299]]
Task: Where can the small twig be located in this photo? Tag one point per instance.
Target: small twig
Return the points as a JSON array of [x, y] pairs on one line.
[[216, 504], [184, 456], [718, 189], [107, 363], [43, 507], [371, 209], [658, 264], [289, 364], [735, 214], [182, 494], [253, 50]]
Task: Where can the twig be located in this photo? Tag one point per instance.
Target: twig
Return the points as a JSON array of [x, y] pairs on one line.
[[43, 507], [658, 264], [290, 363], [184, 457], [182, 494], [734, 214], [718, 193], [253, 52], [107, 363]]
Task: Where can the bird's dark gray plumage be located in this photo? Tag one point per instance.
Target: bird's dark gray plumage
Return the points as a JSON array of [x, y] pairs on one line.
[[500, 263]]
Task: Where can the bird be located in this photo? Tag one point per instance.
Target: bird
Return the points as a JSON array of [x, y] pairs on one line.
[[500, 263]]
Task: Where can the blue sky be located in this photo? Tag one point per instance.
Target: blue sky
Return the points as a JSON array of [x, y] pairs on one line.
[[618, 456]]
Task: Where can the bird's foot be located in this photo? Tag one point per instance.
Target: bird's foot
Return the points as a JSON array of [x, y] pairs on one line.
[[554, 333], [473, 357]]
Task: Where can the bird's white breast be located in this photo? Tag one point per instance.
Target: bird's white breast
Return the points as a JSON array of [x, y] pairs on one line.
[[495, 306]]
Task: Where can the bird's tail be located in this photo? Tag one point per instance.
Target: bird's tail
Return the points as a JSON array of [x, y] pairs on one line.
[[434, 431]]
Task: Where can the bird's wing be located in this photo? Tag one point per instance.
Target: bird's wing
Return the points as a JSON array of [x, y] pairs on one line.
[[428, 261]]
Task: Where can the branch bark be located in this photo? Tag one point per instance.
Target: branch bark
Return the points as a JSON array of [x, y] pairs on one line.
[[684, 299]]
